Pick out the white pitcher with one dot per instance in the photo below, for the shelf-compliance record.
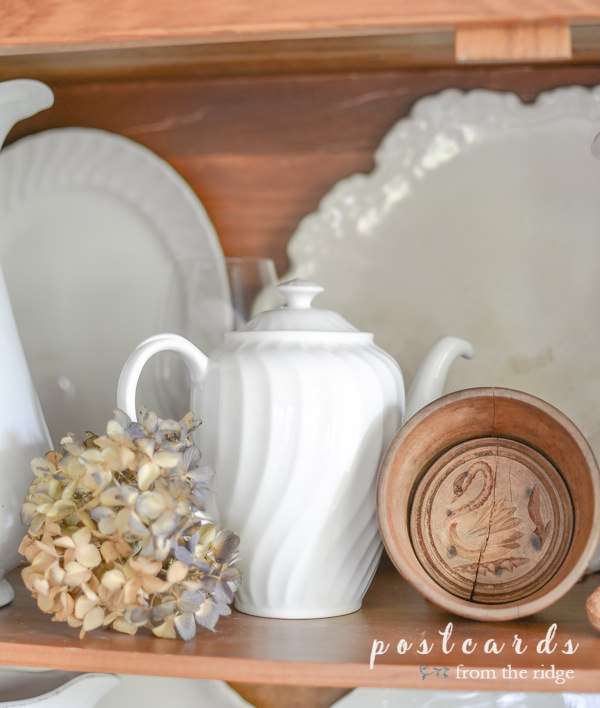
(297, 411)
(23, 431)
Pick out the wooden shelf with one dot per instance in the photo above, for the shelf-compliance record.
(388, 52)
(62, 25)
(327, 652)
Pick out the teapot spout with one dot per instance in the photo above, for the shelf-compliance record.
(430, 378)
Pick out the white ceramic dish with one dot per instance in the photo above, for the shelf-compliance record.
(423, 698)
(53, 689)
(158, 692)
(481, 217)
(96, 231)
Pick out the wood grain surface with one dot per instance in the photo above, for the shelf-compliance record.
(326, 652)
(327, 54)
(277, 696)
(261, 152)
(435, 48)
(534, 41)
(63, 23)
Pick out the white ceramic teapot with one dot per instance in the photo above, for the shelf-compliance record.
(297, 411)
(23, 432)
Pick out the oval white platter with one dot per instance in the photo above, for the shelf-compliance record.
(103, 244)
(481, 219)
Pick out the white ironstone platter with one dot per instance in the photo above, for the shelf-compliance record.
(481, 219)
(96, 237)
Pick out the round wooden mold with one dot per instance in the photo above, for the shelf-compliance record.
(488, 503)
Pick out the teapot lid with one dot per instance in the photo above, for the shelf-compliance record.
(297, 313)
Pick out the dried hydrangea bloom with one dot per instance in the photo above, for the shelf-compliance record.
(119, 535)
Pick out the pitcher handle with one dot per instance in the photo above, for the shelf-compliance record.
(195, 360)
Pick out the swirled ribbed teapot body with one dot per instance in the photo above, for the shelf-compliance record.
(296, 443)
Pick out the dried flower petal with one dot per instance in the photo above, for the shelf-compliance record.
(207, 615)
(146, 446)
(41, 586)
(42, 467)
(82, 606)
(111, 497)
(113, 579)
(183, 555)
(147, 474)
(136, 525)
(165, 525)
(167, 459)
(190, 601)
(109, 552)
(93, 619)
(45, 603)
(154, 585)
(225, 545)
(82, 537)
(107, 526)
(64, 542)
(163, 611)
(139, 615)
(114, 429)
(88, 592)
(135, 431)
(186, 626)
(166, 630)
(88, 555)
(122, 625)
(177, 572)
(150, 504)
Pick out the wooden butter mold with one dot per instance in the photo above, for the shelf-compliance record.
(488, 504)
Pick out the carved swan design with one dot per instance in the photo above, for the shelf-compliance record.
(495, 529)
(465, 480)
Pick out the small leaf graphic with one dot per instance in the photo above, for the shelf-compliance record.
(534, 509)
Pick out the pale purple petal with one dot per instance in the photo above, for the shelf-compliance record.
(222, 593)
(135, 431)
(190, 601)
(186, 626)
(161, 611)
(207, 616)
(182, 554)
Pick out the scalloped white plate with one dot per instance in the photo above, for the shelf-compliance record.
(481, 219)
(96, 237)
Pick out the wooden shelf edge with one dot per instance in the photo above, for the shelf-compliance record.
(40, 25)
(329, 652)
(426, 50)
(283, 673)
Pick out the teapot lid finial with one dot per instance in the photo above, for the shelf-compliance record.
(299, 294)
(297, 314)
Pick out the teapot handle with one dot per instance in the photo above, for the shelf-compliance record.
(196, 362)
